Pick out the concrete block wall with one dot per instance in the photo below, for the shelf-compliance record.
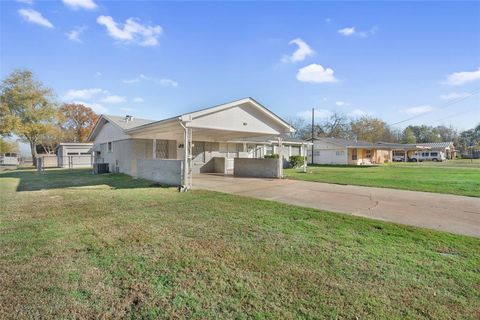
(261, 168)
(163, 171)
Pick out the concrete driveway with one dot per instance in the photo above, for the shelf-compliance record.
(456, 214)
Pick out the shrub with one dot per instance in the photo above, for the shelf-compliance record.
(272, 156)
(297, 161)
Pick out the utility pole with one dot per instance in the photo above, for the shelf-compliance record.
(313, 123)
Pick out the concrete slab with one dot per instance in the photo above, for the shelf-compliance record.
(456, 214)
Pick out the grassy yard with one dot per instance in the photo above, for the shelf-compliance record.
(75, 245)
(441, 178)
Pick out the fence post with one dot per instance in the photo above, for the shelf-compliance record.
(39, 164)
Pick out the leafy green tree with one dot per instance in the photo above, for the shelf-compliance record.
(408, 136)
(28, 110)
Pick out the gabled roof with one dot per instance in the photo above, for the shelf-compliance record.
(190, 115)
(347, 143)
(139, 124)
(437, 145)
(120, 122)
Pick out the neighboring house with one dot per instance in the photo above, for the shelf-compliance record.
(9, 159)
(408, 150)
(342, 151)
(228, 138)
(349, 152)
(74, 155)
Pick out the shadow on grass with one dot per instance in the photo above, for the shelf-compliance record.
(31, 180)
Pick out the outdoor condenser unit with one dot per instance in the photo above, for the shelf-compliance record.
(99, 168)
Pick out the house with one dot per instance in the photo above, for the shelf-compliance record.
(230, 138)
(407, 150)
(74, 155)
(347, 152)
(9, 159)
(350, 152)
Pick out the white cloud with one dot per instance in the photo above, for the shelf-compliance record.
(132, 31)
(97, 107)
(84, 94)
(74, 34)
(319, 114)
(36, 17)
(138, 100)
(454, 95)
(301, 53)
(342, 103)
(315, 73)
(168, 82)
(113, 99)
(80, 4)
(347, 32)
(419, 110)
(98, 74)
(25, 1)
(162, 81)
(358, 113)
(458, 78)
(126, 109)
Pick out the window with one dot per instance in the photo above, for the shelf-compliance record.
(368, 154)
(339, 153)
(433, 154)
(72, 153)
(85, 153)
(110, 147)
(268, 150)
(354, 154)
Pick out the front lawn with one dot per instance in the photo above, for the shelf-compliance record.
(410, 176)
(75, 245)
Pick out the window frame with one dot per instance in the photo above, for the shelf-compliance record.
(110, 146)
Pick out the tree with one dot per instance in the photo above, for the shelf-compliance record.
(409, 136)
(7, 146)
(49, 141)
(337, 126)
(77, 121)
(371, 129)
(28, 109)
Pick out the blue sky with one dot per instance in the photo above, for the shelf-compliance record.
(393, 60)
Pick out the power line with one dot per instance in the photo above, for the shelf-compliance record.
(446, 105)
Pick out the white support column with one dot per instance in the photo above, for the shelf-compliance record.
(304, 152)
(154, 148)
(187, 171)
(280, 147)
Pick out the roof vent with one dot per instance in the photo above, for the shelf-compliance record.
(128, 118)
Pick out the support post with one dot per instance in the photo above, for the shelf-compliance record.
(280, 147)
(187, 169)
(154, 148)
(304, 154)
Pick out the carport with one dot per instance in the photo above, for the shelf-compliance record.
(206, 140)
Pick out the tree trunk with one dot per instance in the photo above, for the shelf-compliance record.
(33, 148)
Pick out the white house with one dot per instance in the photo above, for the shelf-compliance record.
(228, 138)
(351, 152)
(74, 155)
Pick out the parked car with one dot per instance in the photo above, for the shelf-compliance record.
(428, 156)
(398, 158)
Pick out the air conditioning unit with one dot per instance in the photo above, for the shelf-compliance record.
(99, 168)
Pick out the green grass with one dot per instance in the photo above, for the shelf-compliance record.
(75, 245)
(425, 176)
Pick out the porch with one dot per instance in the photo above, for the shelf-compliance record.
(227, 139)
